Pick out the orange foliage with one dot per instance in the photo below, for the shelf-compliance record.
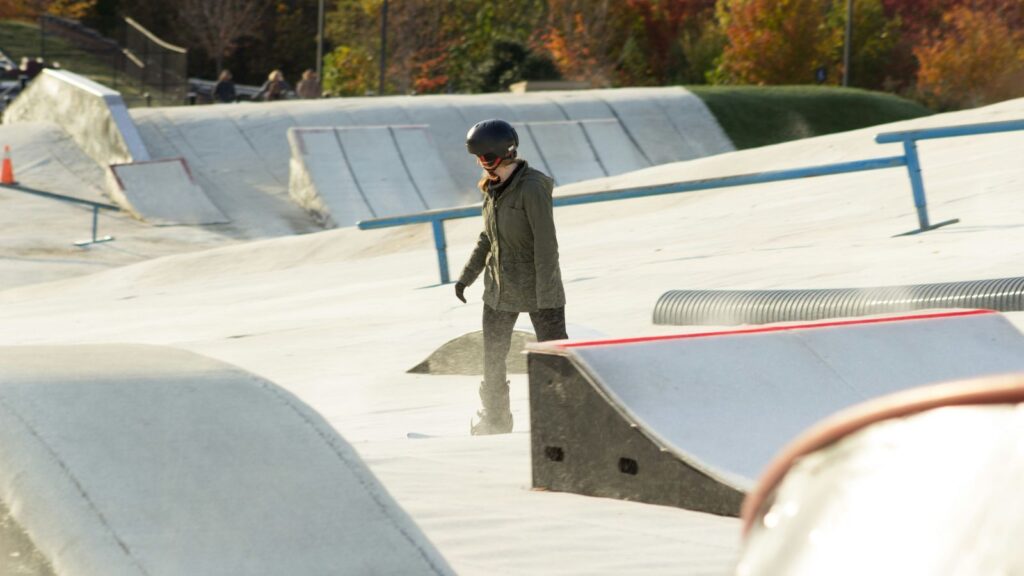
(975, 59)
(775, 41)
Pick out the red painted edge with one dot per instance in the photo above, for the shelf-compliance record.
(764, 329)
(986, 390)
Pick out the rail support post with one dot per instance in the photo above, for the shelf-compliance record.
(916, 182)
(442, 249)
(95, 227)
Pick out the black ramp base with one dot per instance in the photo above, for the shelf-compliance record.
(581, 444)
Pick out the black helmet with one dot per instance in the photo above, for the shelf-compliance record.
(492, 139)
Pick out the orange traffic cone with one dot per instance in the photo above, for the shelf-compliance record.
(7, 172)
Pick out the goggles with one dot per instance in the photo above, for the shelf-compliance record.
(488, 158)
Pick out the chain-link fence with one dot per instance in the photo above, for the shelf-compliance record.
(146, 70)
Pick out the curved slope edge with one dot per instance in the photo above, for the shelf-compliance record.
(130, 459)
(724, 403)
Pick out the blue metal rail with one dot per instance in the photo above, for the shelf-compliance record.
(910, 159)
(96, 206)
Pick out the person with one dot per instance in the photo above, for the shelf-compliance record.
(518, 254)
(224, 89)
(275, 88)
(309, 86)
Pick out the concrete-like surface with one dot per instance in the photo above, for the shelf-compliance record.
(338, 317)
(38, 233)
(92, 114)
(161, 192)
(132, 460)
(727, 402)
(346, 174)
(920, 492)
(241, 156)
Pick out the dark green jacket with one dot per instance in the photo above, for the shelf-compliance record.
(518, 250)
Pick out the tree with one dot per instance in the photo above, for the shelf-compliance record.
(775, 41)
(875, 39)
(216, 25)
(670, 33)
(974, 58)
(511, 62)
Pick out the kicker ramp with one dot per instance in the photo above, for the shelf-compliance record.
(92, 114)
(161, 192)
(691, 420)
(131, 460)
(240, 153)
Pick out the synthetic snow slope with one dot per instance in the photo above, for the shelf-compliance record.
(133, 460)
(37, 233)
(240, 153)
(337, 317)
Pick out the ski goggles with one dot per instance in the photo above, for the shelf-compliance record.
(488, 158)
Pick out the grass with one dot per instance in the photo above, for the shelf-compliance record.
(20, 39)
(761, 115)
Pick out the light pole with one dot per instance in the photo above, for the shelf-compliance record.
(846, 42)
(320, 40)
(383, 45)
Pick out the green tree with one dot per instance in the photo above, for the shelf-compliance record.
(875, 38)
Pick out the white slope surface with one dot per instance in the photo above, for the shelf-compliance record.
(337, 317)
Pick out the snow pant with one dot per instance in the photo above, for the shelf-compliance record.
(548, 323)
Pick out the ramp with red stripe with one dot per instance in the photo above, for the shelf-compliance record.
(691, 420)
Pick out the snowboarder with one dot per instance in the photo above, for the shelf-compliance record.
(518, 254)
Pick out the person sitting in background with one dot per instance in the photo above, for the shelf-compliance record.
(309, 86)
(275, 88)
(224, 89)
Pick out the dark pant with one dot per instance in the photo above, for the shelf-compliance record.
(548, 323)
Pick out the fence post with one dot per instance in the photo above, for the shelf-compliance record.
(442, 249)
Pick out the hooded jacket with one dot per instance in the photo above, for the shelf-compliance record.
(518, 250)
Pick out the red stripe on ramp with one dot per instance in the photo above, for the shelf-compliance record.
(645, 339)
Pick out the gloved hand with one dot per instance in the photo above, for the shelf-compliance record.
(460, 289)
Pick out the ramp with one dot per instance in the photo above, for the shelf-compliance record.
(245, 161)
(346, 174)
(926, 481)
(131, 460)
(691, 420)
(162, 192)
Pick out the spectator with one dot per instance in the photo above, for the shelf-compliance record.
(275, 88)
(32, 68)
(309, 86)
(224, 89)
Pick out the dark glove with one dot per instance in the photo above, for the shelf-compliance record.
(460, 288)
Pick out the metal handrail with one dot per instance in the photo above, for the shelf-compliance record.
(96, 207)
(910, 159)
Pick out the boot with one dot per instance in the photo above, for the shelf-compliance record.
(491, 422)
(495, 417)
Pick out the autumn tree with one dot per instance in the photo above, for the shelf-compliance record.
(973, 58)
(216, 25)
(669, 35)
(587, 39)
(31, 9)
(875, 37)
(432, 45)
(775, 41)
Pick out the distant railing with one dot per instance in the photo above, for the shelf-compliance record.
(910, 159)
(145, 70)
(96, 207)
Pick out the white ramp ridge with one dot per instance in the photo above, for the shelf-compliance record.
(239, 153)
(162, 192)
(133, 460)
(346, 174)
(92, 114)
(724, 403)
